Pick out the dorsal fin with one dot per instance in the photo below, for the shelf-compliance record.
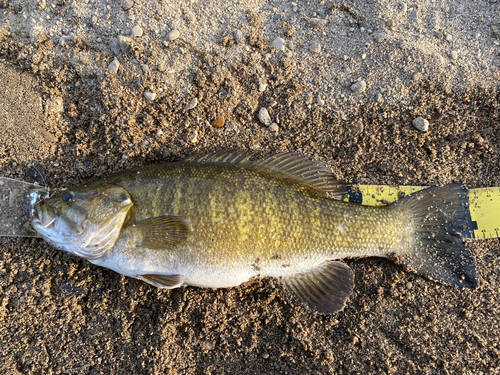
(293, 164)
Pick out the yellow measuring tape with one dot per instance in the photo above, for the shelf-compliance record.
(484, 205)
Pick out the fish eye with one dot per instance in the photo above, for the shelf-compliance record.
(67, 197)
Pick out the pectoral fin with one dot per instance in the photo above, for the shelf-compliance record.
(324, 289)
(163, 281)
(163, 232)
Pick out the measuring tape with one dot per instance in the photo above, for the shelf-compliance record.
(484, 204)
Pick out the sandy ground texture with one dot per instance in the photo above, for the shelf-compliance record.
(92, 87)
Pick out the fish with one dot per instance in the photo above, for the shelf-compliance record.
(218, 220)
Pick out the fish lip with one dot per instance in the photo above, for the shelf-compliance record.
(38, 217)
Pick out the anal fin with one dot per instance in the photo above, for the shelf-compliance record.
(163, 281)
(324, 289)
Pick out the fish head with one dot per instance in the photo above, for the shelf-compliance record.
(84, 221)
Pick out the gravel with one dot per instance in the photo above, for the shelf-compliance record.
(421, 124)
(264, 116)
(150, 95)
(114, 66)
(358, 87)
(173, 35)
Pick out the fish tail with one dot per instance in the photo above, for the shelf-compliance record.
(435, 247)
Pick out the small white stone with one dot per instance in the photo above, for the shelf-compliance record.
(145, 68)
(454, 55)
(274, 127)
(321, 102)
(136, 31)
(149, 95)
(124, 43)
(262, 87)
(358, 87)
(173, 35)
(194, 136)
(113, 66)
(421, 124)
(279, 44)
(449, 38)
(54, 106)
(315, 47)
(190, 17)
(239, 38)
(264, 116)
(193, 103)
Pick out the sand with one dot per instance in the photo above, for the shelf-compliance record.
(63, 110)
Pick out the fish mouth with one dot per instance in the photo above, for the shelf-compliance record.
(43, 216)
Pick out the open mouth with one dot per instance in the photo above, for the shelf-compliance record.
(42, 216)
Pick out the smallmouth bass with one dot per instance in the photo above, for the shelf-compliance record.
(219, 219)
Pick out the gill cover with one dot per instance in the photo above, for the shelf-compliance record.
(84, 221)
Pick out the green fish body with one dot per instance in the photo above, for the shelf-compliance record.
(218, 220)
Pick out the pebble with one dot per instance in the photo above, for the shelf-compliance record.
(264, 116)
(379, 37)
(454, 55)
(194, 136)
(262, 87)
(173, 35)
(317, 23)
(238, 37)
(145, 68)
(219, 122)
(113, 66)
(274, 127)
(136, 31)
(149, 95)
(358, 87)
(190, 17)
(321, 102)
(193, 103)
(315, 47)
(127, 4)
(421, 124)
(279, 44)
(124, 43)
(54, 106)
(379, 97)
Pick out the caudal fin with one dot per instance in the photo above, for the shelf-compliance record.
(437, 249)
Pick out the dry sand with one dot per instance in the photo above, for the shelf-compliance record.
(64, 111)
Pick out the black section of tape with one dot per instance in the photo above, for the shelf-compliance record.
(355, 196)
(471, 225)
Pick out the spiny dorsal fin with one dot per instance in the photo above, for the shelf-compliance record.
(293, 164)
(324, 289)
(163, 281)
(163, 232)
(232, 157)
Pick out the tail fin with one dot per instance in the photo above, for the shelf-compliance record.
(438, 251)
